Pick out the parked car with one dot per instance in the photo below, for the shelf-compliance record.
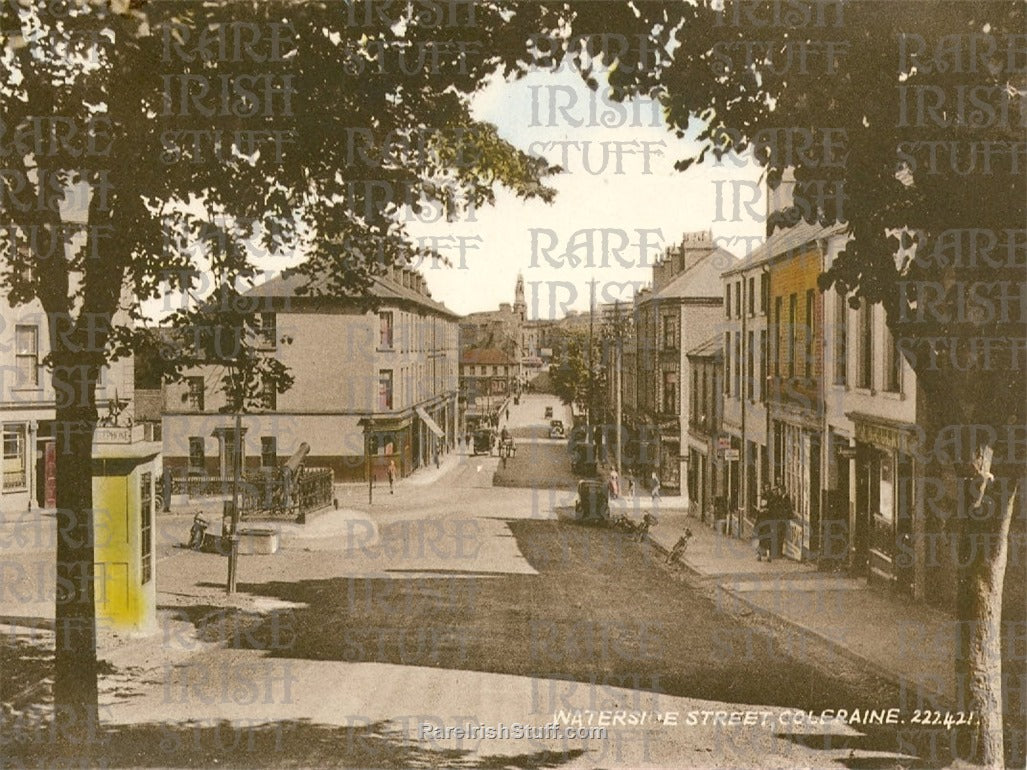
(556, 429)
(483, 440)
(593, 503)
(549, 412)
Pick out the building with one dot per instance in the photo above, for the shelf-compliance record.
(681, 310)
(27, 408)
(507, 329)
(487, 377)
(706, 459)
(385, 378)
(869, 465)
(795, 397)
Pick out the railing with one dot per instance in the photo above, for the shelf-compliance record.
(271, 492)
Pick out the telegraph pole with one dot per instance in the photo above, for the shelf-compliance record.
(619, 352)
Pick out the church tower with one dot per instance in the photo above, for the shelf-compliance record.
(520, 306)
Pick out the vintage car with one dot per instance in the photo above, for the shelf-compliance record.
(556, 429)
(593, 503)
(549, 412)
(483, 440)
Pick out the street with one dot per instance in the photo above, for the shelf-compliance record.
(451, 603)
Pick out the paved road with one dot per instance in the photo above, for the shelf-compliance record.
(454, 602)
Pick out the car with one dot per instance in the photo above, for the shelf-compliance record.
(556, 429)
(593, 503)
(549, 412)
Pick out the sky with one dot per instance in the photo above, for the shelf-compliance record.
(619, 183)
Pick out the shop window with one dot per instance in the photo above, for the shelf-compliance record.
(14, 457)
(670, 392)
(792, 321)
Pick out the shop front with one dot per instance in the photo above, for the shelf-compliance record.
(883, 512)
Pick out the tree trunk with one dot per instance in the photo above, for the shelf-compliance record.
(75, 671)
(983, 549)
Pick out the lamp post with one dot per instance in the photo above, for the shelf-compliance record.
(371, 448)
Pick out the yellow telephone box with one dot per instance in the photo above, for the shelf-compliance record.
(125, 470)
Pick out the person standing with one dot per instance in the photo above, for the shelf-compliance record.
(655, 481)
(392, 476)
(631, 485)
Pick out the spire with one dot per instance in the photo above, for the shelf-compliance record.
(520, 306)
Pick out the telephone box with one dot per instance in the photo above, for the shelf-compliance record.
(125, 469)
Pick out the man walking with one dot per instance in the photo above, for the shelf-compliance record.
(392, 476)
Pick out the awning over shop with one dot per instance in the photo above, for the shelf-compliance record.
(432, 425)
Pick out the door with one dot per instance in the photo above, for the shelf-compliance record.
(50, 474)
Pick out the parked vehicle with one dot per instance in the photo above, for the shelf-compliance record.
(483, 440)
(556, 429)
(549, 412)
(593, 503)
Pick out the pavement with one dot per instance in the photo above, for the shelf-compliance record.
(893, 636)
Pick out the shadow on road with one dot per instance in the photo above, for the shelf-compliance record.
(600, 613)
(294, 743)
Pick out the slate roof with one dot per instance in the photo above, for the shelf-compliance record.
(491, 356)
(382, 287)
(783, 241)
(711, 348)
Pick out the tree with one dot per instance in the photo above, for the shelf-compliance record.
(573, 380)
(906, 123)
(206, 140)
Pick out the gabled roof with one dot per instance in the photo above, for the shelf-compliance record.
(711, 348)
(784, 240)
(492, 356)
(701, 280)
(383, 288)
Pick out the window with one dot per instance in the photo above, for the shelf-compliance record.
(670, 392)
(385, 329)
(763, 364)
(892, 364)
(385, 389)
(694, 395)
(194, 394)
(738, 298)
(26, 355)
(793, 302)
(777, 336)
(197, 454)
(669, 332)
(750, 371)
(865, 369)
(269, 394)
(808, 335)
(752, 296)
(738, 365)
(727, 363)
(14, 457)
(146, 526)
(268, 451)
(727, 300)
(267, 331)
(841, 334)
(765, 292)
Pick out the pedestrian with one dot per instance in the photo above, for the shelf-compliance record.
(392, 476)
(655, 481)
(508, 414)
(614, 483)
(467, 442)
(631, 485)
(436, 457)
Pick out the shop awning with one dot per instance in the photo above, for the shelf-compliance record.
(432, 425)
